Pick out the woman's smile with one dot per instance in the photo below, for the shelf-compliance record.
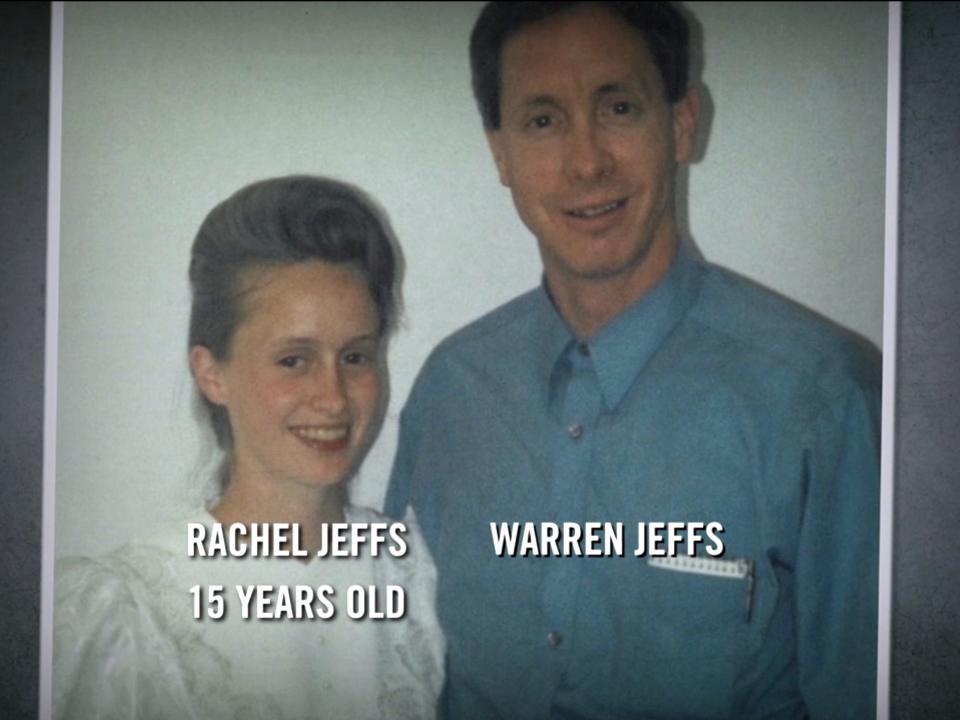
(325, 439)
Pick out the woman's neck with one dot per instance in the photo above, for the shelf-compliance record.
(307, 505)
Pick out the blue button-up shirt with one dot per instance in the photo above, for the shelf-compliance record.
(709, 399)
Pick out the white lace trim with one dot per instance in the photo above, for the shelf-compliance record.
(120, 650)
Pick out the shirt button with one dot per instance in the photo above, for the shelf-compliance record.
(554, 639)
(575, 431)
(583, 349)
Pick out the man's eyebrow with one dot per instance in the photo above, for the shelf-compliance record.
(294, 340)
(540, 101)
(617, 86)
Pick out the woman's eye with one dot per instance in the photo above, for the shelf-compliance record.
(291, 361)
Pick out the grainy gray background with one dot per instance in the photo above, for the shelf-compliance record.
(926, 626)
(24, 63)
(926, 632)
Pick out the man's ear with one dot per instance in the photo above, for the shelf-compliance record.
(686, 120)
(495, 143)
(207, 373)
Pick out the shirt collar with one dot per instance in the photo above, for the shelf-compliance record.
(625, 345)
(551, 338)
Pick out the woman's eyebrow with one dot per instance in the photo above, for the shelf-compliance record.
(367, 337)
(311, 342)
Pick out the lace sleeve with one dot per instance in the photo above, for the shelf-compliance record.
(413, 657)
(119, 652)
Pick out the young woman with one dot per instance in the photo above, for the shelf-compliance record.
(294, 286)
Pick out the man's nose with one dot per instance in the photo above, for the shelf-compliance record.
(588, 158)
(327, 389)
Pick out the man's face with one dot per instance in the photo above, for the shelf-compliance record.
(588, 144)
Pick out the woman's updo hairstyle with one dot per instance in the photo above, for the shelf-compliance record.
(281, 221)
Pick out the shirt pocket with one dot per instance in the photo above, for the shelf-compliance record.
(739, 570)
(695, 616)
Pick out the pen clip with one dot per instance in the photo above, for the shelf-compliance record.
(746, 567)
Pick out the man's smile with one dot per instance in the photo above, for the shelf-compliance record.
(592, 211)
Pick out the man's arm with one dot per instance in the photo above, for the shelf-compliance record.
(837, 558)
(407, 488)
(399, 490)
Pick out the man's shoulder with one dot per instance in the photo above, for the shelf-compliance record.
(770, 327)
(509, 322)
(497, 345)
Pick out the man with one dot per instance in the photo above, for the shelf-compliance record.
(637, 385)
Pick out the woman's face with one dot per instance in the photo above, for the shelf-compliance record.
(302, 382)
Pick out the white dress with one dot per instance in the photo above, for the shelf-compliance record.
(127, 646)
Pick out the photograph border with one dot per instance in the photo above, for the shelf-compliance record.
(51, 355)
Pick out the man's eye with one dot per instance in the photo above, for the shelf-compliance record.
(356, 358)
(623, 108)
(540, 122)
(291, 361)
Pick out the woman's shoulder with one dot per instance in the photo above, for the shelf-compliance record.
(416, 553)
(136, 586)
(146, 561)
(412, 662)
(123, 576)
(124, 633)
(365, 514)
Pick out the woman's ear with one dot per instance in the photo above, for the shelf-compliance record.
(207, 372)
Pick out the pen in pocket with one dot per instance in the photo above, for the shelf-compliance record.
(736, 569)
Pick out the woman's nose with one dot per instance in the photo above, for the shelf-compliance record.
(328, 392)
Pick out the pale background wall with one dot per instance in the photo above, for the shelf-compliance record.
(170, 108)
